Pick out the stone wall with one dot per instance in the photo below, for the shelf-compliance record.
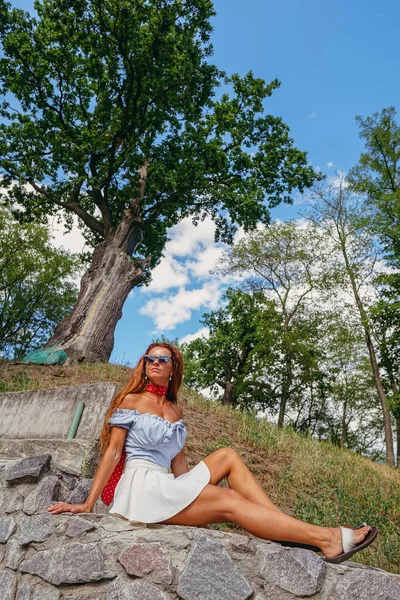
(99, 557)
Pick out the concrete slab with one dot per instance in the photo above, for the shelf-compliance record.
(48, 414)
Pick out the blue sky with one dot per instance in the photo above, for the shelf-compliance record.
(335, 60)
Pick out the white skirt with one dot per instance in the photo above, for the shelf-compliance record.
(147, 493)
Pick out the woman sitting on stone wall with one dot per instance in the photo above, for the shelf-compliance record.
(144, 424)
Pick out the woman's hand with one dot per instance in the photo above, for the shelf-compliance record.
(65, 507)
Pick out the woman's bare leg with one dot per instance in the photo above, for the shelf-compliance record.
(226, 462)
(218, 505)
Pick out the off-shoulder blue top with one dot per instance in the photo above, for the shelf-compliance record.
(149, 436)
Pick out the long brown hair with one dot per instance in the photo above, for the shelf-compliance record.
(138, 383)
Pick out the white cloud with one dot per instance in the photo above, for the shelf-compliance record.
(330, 164)
(185, 238)
(203, 332)
(205, 261)
(72, 241)
(312, 115)
(168, 274)
(170, 310)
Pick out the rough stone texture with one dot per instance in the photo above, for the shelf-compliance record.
(23, 592)
(77, 526)
(41, 497)
(81, 492)
(211, 573)
(14, 554)
(10, 500)
(70, 563)
(363, 584)
(295, 570)
(8, 584)
(137, 590)
(36, 528)
(46, 593)
(27, 469)
(242, 544)
(148, 559)
(7, 528)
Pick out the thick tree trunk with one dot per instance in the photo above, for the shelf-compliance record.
(229, 391)
(87, 334)
(398, 441)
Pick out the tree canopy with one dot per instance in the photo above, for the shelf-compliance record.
(36, 287)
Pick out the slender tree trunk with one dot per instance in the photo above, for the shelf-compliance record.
(343, 436)
(87, 334)
(287, 380)
(374, 363)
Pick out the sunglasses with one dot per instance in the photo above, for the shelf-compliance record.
(151, 358)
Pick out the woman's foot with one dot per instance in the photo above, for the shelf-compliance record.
(332, 545)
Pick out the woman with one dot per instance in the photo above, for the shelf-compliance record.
(145, 420)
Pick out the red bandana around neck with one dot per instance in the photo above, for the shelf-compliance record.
(160, 390)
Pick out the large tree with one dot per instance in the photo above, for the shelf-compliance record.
(239, 355)
(284, 261)
(377, 177)
(113, 111)
(341, 215)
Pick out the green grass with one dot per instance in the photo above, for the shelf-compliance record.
(326, 485)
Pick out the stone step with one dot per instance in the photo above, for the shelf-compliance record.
(77, 456)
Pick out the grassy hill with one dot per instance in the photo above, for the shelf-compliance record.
(313, 481)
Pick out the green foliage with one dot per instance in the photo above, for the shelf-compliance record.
(241, 347)
(377, 175)
(94, 92)
(35, 287)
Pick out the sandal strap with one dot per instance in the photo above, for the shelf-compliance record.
(347, 539)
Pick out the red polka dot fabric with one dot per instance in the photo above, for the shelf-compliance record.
(108, 492)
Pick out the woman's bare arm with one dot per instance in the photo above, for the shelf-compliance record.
(107, 465)
(179, 464)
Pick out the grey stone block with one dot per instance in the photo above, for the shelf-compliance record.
(211, 573)
(10, 500)
(27, 469)
(7, 528)
(36, 528)
(137, 590)
(46, 593)
(298, 571)
(77, 526)
(23, 592)
(42, 496)
(8, 584)
(148, 559)
(81, 492)
(67, 564)
(364, 584)
(14, 554)
(242, 544)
